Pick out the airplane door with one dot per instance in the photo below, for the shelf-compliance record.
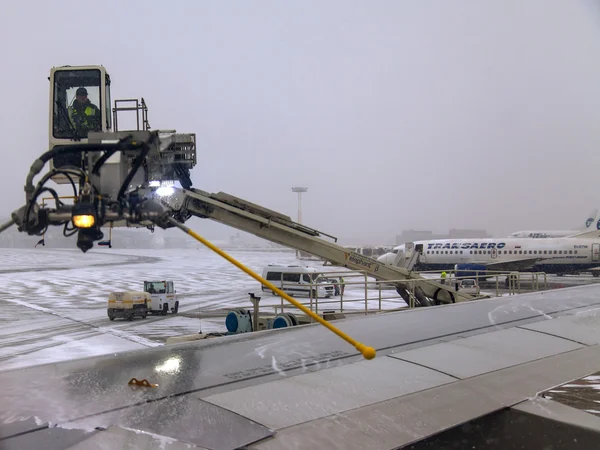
(595, 252)
(419, 250)
(494, 253)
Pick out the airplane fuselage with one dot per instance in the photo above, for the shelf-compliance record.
(558, 255)
(593, 221)
(543, 234)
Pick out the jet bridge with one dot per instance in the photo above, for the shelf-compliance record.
(275, 227)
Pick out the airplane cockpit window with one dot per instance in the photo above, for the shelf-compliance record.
(77, 104)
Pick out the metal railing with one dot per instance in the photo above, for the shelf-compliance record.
(513, 283)
(140, 107)
(373, 296)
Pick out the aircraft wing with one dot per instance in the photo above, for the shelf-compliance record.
(515, 264)
(481, 363)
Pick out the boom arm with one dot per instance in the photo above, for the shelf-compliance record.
(119, 174)
(275, 227)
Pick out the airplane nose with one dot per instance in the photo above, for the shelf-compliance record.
(383, 258)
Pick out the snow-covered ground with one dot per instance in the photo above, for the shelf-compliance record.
(582, 394)
(53, 301)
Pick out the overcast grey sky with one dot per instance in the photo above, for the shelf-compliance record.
(395, 114)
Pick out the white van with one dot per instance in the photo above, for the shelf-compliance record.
(297, 280)
(469, 286)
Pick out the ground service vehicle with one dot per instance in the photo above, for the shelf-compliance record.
(163, 297)
(297, 281)
(469, 286)
(128, 304)
(132, 178)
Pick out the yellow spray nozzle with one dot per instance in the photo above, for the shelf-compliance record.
(367, 352)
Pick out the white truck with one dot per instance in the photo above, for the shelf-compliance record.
(163, 295)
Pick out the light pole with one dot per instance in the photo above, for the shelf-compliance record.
(299, 190)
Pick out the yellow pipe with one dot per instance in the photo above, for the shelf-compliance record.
(367, 352)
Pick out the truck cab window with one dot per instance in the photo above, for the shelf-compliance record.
(77, 106)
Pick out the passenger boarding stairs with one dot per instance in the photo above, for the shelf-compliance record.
(407, 258)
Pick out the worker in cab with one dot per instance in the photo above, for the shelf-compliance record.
(444, 277)
(84, 115)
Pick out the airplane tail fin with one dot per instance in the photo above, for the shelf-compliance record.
(592, 227)
(592, 220)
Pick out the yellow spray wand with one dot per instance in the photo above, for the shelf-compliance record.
(367, 352)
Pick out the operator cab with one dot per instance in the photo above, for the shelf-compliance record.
(163, 297)
(79, 103)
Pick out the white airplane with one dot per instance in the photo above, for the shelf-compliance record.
(552, 255)
(593, 219)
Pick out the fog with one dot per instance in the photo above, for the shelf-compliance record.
(395, 115)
